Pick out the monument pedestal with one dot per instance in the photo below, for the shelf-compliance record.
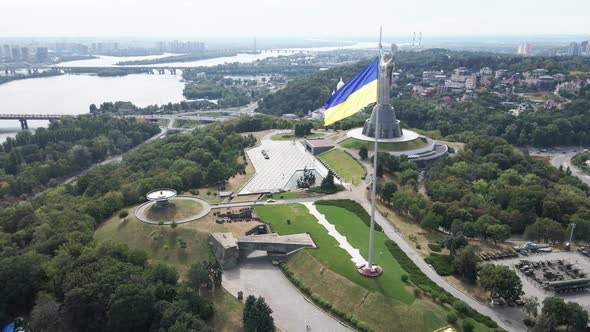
(388, 123)
(368, 272)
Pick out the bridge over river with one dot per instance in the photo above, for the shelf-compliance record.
(23, 118)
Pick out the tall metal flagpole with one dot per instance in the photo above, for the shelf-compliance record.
(376, 153)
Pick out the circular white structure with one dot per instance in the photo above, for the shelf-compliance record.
(407, 136)
(161, 196)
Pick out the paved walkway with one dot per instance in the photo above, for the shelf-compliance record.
(140, 211)
(354, 253)
(509, 318)
(291, 310)
(284, 159)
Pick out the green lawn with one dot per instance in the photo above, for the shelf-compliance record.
(177, 209)
(285, 195)
(161, 243)
(291, 136)
(384, 303)
(334, 257)
(344, 165)
(353, 143)
(187, 123)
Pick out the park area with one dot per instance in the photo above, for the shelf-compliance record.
(344, 165)
(177, 209)
(179, 247)
(328, 275)
(355, 144)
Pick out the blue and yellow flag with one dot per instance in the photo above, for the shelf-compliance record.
(356, 94)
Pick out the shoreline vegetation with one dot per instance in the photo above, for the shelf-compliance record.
(180, 58)
(49, 73)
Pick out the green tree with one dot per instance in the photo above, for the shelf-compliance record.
(363, 152)
(465, 264)
(406, 175)
(455, 242)
(431, 220)
(197, 275)
(257, 316)
(328, 181)
(387, 190)
(500, 281)
(131, 308)
(46, 314)
(531, 307)
(498, 232)
(249, 314)
(577, 317)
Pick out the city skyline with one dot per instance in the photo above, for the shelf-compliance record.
(230, 18)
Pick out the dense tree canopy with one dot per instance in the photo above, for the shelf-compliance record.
(52, 266)
(33, 160)
(491, 184)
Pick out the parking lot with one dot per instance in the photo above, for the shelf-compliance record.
(534, 288)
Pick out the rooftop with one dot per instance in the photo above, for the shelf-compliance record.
(227, 240)
(318, 143)
(302, 239)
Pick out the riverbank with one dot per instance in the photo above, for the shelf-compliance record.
(49, 73)
(179, 58)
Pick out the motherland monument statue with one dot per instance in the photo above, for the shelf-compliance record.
(388, 123)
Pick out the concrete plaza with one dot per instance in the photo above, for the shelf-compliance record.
(284, 159)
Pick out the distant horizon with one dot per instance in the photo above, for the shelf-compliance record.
(276, 18)
(326, 38)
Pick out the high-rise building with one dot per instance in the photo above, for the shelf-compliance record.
(42, 54)
(16, 55)
(574, 49)
(25, 54)
(584, 50)
(524, 49)
(6, 51)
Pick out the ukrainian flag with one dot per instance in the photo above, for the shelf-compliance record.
(356, 94)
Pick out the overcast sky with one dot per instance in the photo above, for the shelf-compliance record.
(303, 18)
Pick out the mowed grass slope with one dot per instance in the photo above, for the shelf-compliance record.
(384, 303)
(161, 243)
(329, 252)
(379, 312)
(177, 209)
(344, 165)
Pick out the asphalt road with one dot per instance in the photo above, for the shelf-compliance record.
(562, 156)
(292, 311)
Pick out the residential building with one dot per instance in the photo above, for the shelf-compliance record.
(559, 77)
(472, 82)
(42, 54)
(16, 55)
(574, 49)
(501, 73)
(486, 71)
(433, 76)
(460, 75)
(571, 87)
(25, 54)
(545, 83)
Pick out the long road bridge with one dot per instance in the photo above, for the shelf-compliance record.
(191, 116)
(24, 117)
(83, 70)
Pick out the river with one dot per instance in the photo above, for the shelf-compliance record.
(73, 94)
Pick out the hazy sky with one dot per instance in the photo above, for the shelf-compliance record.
(309, 18)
